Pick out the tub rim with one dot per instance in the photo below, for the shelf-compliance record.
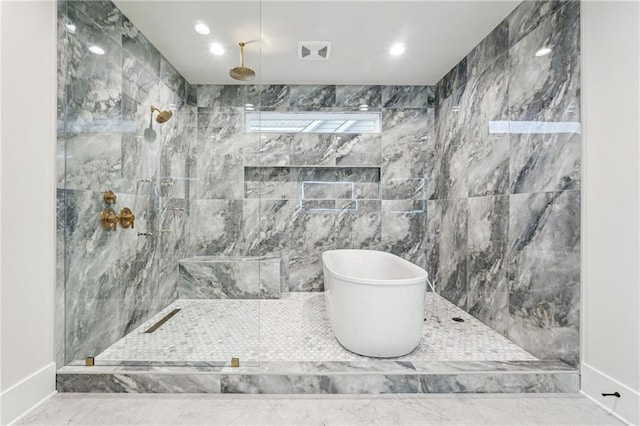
(422, 278)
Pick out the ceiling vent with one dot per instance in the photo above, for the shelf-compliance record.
(314, 50)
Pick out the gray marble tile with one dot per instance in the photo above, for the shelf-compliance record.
(274, 384)
(305, 272)
(545, 221)
(352, 97)
(187, 383)
(374, 384)
(138, 383)
(404, 153)
(191, 95)
(545, 162)
(311, 97)
(454, 367)
(103, 383)
(312, 229)
(487, 288)
(93, 83)
(452, 81)
(488, 50)
(271, 183)
(140, 47)
(60, 314)
(214, 95)
(547, 88)
(408, 96)
(94, 161)
(229, 278)
(173, 244)
(273, 149)
(137, 81)
(528, 15)
(447, 248)
(179, 136)
(402, 229)
(451, 179)
(357, 183)
(111, 283)
(358, 149)
(269, 96)
(359, 225)
(221, 148)
(172, 78)
(503, 383)
(313, 149)
(267, 226)
(103, 13)
(544, 273)
(215, 227)
(488, 153)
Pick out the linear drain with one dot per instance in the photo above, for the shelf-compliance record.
(166, 318)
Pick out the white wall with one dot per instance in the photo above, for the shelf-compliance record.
(27, 218)
(611, 205)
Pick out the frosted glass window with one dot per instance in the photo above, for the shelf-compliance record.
(311, 122)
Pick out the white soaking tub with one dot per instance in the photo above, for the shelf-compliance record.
(375, 301)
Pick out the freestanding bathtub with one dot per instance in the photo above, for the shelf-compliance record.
(375, 301)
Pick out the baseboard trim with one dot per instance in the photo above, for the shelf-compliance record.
(27, 394)
(626, 408)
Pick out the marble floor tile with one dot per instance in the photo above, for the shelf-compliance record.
(295, 328)
(147, 409)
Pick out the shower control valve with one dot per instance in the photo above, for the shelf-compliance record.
(126, 218)
(108, 219)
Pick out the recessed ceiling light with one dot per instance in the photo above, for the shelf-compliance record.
(543, 51)
(397, 49)
(202, 29)
(216, 48)
(96, 49)
(71, 28)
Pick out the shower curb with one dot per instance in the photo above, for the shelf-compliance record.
(325, 378)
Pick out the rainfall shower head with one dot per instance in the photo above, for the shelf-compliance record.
(163, 116)
(241, 73)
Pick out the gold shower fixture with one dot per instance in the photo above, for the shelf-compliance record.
(163, 116)
(242, 73)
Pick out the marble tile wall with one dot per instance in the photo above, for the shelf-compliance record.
(503, 229)
(109, 282)
(247, 192)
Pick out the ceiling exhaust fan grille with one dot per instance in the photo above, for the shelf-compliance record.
(314, 50)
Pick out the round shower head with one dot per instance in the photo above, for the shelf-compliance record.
(242, 73)
(163, 116)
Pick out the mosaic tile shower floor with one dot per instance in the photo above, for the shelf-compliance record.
(295, 328)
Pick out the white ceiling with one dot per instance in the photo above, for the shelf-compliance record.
(437, 35)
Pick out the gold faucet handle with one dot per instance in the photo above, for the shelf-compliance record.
(126, 218)
(109, 197)
(108, 219)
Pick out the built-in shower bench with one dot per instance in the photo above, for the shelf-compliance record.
(231, 277)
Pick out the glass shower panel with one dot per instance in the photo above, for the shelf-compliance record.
(158, 122)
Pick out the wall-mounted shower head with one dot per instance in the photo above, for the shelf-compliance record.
(163, 116)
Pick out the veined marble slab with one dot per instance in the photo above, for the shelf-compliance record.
(375, 376)
(232, 277)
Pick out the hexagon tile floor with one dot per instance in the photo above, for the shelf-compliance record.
(295, 328)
